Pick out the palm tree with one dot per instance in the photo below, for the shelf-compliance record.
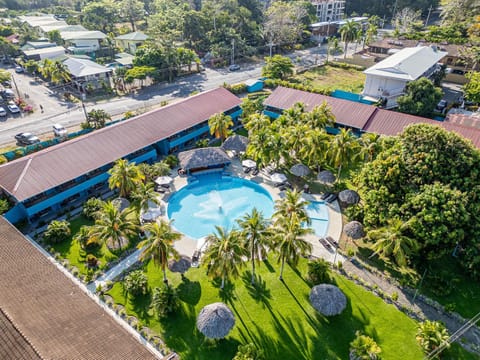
(343, 150)
(97, 118)
(125, 176)
(159, 245)
(113, 226)
(320, 117)
(371, 32)
(219, 125)
(224, 254)
(294, 137)
(431, 335)
(256, 235)
(363, 347)
(370, 145)
(332, 47)
(317, 143)
(84, 237)
(289, 242)
(143, 194)
(59, 73)
(349, 33)
(391, 241)
(46, 68)
(292, 207)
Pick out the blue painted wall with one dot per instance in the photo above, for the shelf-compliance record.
(271, 114)
(190, 136)
(257, 86)
(16, 214)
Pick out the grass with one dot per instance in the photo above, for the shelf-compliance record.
(332, 78)
(277, 317)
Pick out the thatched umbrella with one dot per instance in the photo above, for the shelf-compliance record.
(348, 197)
(300, 170)
(121, 203)
(326, 177)
(236, 143)
(215, 321)
(181, 265)
(328, 299)
(354, 230)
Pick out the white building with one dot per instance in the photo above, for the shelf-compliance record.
(329, 10)
(79, 42)
(87, 73)
(386, 80)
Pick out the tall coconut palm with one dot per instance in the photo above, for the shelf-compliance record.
(289, 242)
(292, 207)
(159, 245)
(370, 145)
(317, 143)
(219, 125)
(320, 117)
(143, 194)
(224, 253)
(344, 149)
(114, 227)
(256, 235)
(348, 33)
(59, 73)
(391, 241)
(125, 176)
(294, 138)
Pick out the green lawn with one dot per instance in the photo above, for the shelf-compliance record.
(278, 318)
(332, 78)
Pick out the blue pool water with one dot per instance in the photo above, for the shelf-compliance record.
(318, 213)
(214, 199)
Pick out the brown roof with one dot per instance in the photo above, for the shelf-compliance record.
(346, 112)
(202, 158)
(390, 43)
(386, 122)
(468, 119)
(59, 320)
(46, 169)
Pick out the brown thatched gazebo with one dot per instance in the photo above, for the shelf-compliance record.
(326, 177)
(328, 299)
(203, 159)
(354, 230)
(348, 198)
(215, 321)
(237, 143)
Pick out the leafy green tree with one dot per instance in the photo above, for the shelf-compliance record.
(344, 150)
(316, 144)
(5, 75)
(85, 239)
(125, 176)
(370, 145)
(223, 256)
(165, 300)
(220, 125)
(151, 172)
(256, 234)
(458, 11)
(101, 14)
(139, 73)
(319, 271)
(250, 107)
(97, 118)
(57, 231)
(472, 87)
(363, 347)
(249, 352)
(91, 207)
(132, 11)
(348, 33)
(4, 206)
(159, 245)
(431, 335)
(54, 36)
(114, 227)
(136, 283)
(31, 66)
(278, 67)
(320, 117)
(421, 97)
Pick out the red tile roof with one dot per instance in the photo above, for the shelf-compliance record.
(346, 112)
(46, 169)
(56, 317)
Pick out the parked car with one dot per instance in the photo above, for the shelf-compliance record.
(18, 69)
(59, 130)
(7, 94)
(7, 83)
(234, 67)
(442, 105)
(27, 138)
(3, 112)
(14, 109)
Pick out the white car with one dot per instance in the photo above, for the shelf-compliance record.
(59, 130)
(14, 109)
(3, 112)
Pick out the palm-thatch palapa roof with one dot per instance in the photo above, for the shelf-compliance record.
(181, 265)
(328, 299)
(300, 170)
(326, 177)
(209, 157)
(348, 197)
(215, 320)
(354, 229)
(121, 203)
(236, 143)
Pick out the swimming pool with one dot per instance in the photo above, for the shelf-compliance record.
(318, 213)
(215, 199)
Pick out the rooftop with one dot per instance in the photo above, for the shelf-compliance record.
(45, 50)
(136, 36)
(83, 35)
(83, 67)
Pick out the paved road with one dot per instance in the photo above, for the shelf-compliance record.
(70, 115)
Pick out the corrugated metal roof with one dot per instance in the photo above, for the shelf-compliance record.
(46, 169)
(137, 35)
(46, 50)
(83, 67)
(57, 318)
(82, 35)
(386, 122)
(346, 112)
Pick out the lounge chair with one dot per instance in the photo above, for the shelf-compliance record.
(325, 243)
(246, 170)
(255, 172)
(325, 195)
(195, 258)
(332, 198)
(332, 241)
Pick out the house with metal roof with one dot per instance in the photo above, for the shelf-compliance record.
(43, 183)
(131, 41)
(82, 42)
(86, 73)
(387, 79)
(52, 52)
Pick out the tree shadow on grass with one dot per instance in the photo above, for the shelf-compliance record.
(299, 274)
(227, 293)
(141, 305)
(258, 291)
(189, 292)
(268, 266)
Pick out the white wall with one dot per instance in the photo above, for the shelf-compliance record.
(92, 44)
(378, 86)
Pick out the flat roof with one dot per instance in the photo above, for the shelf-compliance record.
(35, 173)
(45, 50)
(51, 313)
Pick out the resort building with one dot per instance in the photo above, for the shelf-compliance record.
(386, 80)
(329, 10)
(42, 184)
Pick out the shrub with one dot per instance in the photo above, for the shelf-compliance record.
(171, 160)
(91, 207)
(248, 352)
(431, 335)
(165, 300)
(128, 115)
(202, 143)
(318, 272)
(4, 206)
(57, 231)
(238, 88)
(364, 347)
(164, 103)
(92, 261)
(394, 296)
(3, 159)
(135, 283)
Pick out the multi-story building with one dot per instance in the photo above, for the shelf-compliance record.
(329, 10)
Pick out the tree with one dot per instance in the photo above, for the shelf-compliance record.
(143, 195)
(250, 107)
(320, 117)
(96, 118)
(431, 335)
(151, 172)
(91, 207)
(472, 87)
(332, 47)
(249, 352)
(125, 176)
(57, 231)
(406, 20)
(84, 237)
(54, 36)
(139, 73)
(292, 207)
(165, 300)
(223, 256)
(344, 150)
(56, 71)
(278, 67)
(219, 125)
(114, 227)
(371, 145)
(5, 75)
(470, 55)
(363, 347)
(31, 66)
(101, 14)
(316, 144)
(348, 33)
(392, 241)
(458, 11)
(319, 271)
(256, 235)
(131, 11)
(370, 33)
(136, 283)
(420, 98)
(159, 245)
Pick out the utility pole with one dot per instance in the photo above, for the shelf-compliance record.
(83, 106)
(271, 45)
(233, 51)
(394, 9)
(428, 16)
(16, 87)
